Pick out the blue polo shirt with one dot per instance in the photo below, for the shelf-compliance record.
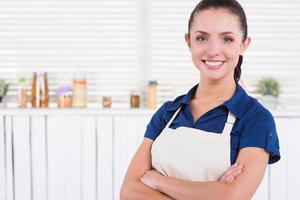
(254, 125)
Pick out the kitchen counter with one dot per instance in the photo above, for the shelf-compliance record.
(110, 111)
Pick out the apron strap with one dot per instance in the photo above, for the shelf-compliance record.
(175, 114)
(229, 124)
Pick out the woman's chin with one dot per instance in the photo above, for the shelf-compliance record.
(214, 76)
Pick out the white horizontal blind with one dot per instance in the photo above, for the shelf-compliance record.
(121, 44)
(275, 30)
(97, 38)
(275, 51)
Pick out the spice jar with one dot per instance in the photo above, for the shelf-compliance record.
(64, 97)
(22, 92)
(106, 102)
(79, 91)
(152, 94)
(134, 99)
(40, 91)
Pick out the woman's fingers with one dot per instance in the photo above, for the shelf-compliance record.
(231, 169)
(231, 173)
(228, 171)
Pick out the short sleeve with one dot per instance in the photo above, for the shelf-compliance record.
(157, 123)
(260, 131)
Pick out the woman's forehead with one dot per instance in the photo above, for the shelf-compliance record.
(216, 20)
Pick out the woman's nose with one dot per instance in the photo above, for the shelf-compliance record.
(213, 49)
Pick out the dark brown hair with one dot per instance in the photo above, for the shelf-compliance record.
(233, 7)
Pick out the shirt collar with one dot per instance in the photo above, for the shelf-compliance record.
(237, 104)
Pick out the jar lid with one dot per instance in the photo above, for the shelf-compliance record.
(22, 80)
(64, 90)
(152, 82)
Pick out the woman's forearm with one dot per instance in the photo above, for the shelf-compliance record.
(138, 191)
(186, 190)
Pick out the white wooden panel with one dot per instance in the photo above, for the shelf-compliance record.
(73, 157)
(129, 131)
(293, 160)
(64, 154)
(279, 171)
(105, 159)
(9, 159)
(56, 157)
(121, 158)
(132, 134)
(22, 157)
(89, 158)
(2, 158)
(39, 157)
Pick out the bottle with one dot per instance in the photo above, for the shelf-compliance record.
(79, 91)
(22, 92)
(40, 91)
(152, 94)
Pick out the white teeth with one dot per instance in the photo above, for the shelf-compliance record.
(214, 63)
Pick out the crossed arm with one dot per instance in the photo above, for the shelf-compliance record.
(141, 182)
(132, 188)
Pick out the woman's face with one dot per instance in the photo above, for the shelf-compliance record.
(215, 43)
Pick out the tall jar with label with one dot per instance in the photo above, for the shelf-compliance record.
(40, 90)
(22, 92)
(152, 94)
(79, 91)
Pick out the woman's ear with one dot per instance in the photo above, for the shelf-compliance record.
(187, 39)
(245, 45)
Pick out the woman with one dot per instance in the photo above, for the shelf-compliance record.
(191, 142)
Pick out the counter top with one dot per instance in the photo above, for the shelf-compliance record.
(109, 111)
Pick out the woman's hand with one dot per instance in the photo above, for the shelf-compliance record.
(152, 179)
(231, 173)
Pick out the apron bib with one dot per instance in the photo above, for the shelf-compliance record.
(192, 154)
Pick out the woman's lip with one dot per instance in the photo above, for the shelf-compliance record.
(213, 67)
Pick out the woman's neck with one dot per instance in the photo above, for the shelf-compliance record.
(215, 91)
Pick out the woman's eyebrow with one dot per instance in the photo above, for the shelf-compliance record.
(223, 33)
(227, 32)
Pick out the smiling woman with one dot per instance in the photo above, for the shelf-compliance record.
(214, 142)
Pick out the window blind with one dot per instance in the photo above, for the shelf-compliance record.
(96, 38)
(121, 44)
(274, 27)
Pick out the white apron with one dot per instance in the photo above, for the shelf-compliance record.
(192, 154)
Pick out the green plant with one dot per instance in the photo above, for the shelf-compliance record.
(268, 86)
(3, 88)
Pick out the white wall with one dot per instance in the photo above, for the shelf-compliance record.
(83, 154)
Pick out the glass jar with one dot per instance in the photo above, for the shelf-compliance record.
(79, 91)
(64, 97)
(134, 99)
(152, 94)
(22, 93)
(106, 102)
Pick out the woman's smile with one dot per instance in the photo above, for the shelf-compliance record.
(213, 64)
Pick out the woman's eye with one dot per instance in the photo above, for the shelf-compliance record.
(228, 39)
(201, 38)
